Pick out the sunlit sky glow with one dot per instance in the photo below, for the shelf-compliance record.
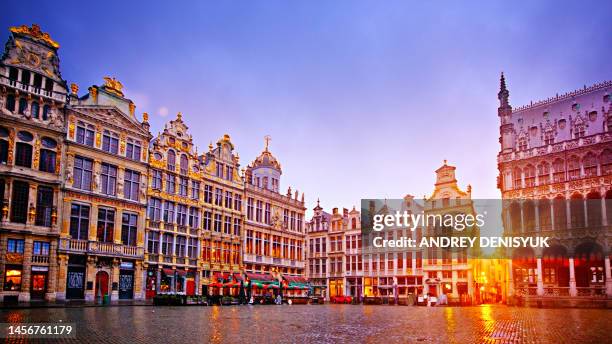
(363, 99)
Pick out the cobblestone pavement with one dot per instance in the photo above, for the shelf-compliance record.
(327, 323)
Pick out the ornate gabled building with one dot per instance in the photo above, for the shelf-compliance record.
(555, 176)
(317, 230)
(175, 194)
(274, 227)
(101, 246)
(223, 219)
(32, 100)
(446, 271)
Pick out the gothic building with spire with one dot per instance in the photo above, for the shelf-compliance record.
(555, 177)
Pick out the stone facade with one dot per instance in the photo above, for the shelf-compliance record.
(32, 100)
(101, 245)
(555, 176)
(274, 226)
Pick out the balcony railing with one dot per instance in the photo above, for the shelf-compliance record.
(34, 89)
(40, 259)
(101, 248)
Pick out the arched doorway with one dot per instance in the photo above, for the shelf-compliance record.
(524, 271)
(101, 285)
(589, 266)
(555, 266)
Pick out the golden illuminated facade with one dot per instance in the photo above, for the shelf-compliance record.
(32, 100)
(274, 227)
(445, 271)
(101, 245)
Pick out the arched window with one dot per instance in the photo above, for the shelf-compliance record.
(594, 209)
(515, 217)
(184, 164)
(558, 171)
(573, 167)
(529, 176)
(577, 211)
(590, 165)
(35, 110)
(560, 213)
(543, 173)
(23, 155)
(606, 161)
(517, 178)
(47, 155)
(529, 215)
(45, 114)
(23, 105)
(354, 223)
(171, 160)
(544, 214)
(10, 103)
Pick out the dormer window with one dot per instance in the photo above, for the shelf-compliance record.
(549, 137)
(579, 131)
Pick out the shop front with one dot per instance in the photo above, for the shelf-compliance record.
(263, 287)
(151, 282)
(75, 278)
(295, 288)
(126, 280)
(39, 278)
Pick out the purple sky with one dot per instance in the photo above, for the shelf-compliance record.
(361, 100)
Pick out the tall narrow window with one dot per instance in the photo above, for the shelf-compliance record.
(10, 103)
(45, 114)
(44, 206)
(183, 184)
(85, 134)
(170, 184)
(168, 212)
(79, 221)
(23, 156)
(106, 225)
(19, 202)
(155, 209)
(129, 229)
(156, 179)
(184, 164)
(82, 173)
(133, 150)
(110, 142)
(35, 110)
(181, 215)
(171, 160)
(108, 178)
(23, 105)
(132, 184)
(47, 155)
(4, 146)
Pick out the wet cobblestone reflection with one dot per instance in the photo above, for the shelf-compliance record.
(327, 323)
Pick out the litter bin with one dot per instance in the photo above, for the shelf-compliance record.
(106, 300)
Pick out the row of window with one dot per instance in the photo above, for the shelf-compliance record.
(24, 150)
(168, 244)
(261, 212)
(19, 203)
(183, 215)
(39, 248)
(105, 229)
(560, 172)
(83, 173)
(85, 134)
(265, 244)
(35, 108)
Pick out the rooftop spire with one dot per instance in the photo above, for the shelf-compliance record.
(267, 138)
(503, 94)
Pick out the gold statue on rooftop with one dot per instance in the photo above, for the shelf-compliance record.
(113, 85)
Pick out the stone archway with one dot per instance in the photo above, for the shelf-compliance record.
(589, 265)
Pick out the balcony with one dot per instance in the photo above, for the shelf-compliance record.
(57, 96)
(100, 248)
(40, 259)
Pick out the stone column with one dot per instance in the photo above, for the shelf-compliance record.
(540, 281)
(62, 275)
(138, 281)
(572, 278)
(26, 272)
(604, 215)
(114, 278)
(471, 284)
(90, 276)
(510, 277)
(455, 292)
(52, 274)
(608, 276)
(157, 280)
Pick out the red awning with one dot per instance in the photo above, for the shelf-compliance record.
(238, 277)
(181, 272)
(260, 277)
(168, 272)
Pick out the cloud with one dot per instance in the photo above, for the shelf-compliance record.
(162, 111)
